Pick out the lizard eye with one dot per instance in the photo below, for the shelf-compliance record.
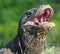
(29, 13)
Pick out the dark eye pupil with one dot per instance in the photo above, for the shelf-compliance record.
(29, 13)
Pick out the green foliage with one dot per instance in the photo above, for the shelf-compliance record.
(12, 10)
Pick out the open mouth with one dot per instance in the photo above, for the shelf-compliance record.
(41, 17)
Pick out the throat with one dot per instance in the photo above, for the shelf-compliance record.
(34, 44)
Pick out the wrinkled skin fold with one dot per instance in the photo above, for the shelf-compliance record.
(35, 43)
(32, 29)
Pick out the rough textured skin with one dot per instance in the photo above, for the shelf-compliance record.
(5, 51)
(30, 39)
(37, 43)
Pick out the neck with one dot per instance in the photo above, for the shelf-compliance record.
(14, 45)
(28, 43)
(34, 44)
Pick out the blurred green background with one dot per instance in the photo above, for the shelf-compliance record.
(12, 10)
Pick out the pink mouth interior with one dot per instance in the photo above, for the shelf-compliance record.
(41, 17)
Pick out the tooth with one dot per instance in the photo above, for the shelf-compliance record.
(29, 23)
(48, 12)
(42, 19)
(36, 20)
(45, 19)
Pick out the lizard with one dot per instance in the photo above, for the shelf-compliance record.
(32, 30)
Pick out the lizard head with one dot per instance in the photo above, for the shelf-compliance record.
(40, 15)
(36, 17)
(33, 27)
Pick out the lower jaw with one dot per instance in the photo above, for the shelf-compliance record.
(33, 24)
(43, 23)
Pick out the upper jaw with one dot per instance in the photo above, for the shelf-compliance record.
(42, 16)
